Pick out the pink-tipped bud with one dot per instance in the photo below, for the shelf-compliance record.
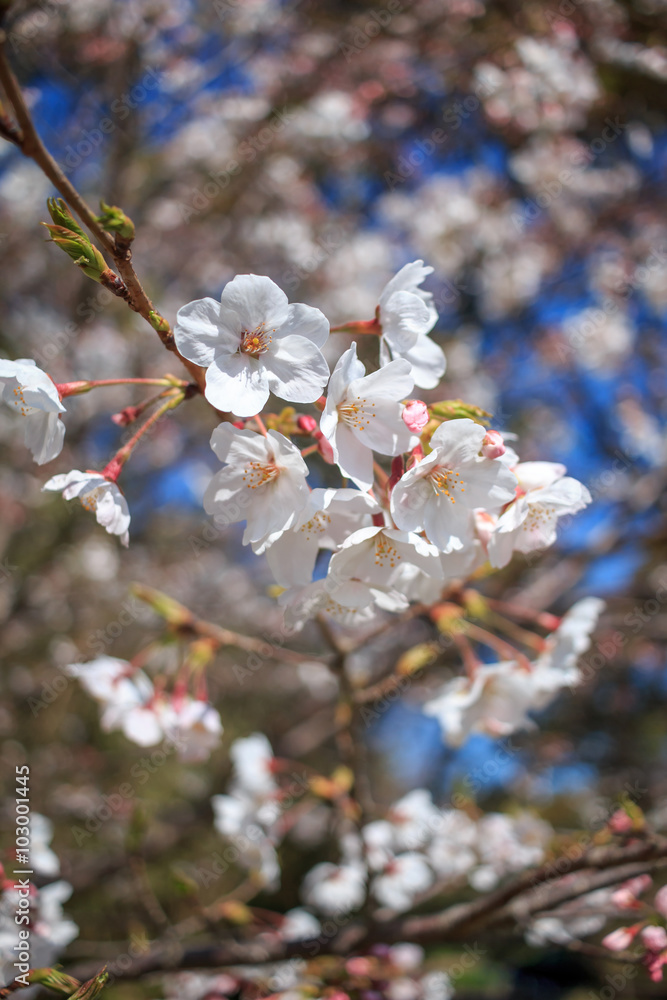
(306, 423)
(654, 938)
(239, 423)
(415, 415)
(324, 448)
(620, 822)
(625, 897)
(621, 938)
(493, 445)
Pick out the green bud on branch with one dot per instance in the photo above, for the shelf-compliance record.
(61, 216)
(80, 250)
(114, 220)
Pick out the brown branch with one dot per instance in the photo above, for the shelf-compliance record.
(30, 144)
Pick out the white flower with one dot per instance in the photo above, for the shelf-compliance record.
(573, 635)
(300, 604)
(42, 859)
(253, 766)
(529, 522)
(440, 493)
(406, 314)
(335, 889)
(236, 818)
(331, 515)
(98, 494)
(414, 819)
(126, 695)
(299, 925)
(99, 677)
(368, 565)
(403, 879)
(253, 342)
(451, 851)
(264, 482)
(363, 414)
(192, 725)
(29, 390)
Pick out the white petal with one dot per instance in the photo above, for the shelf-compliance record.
(197, 332)
(236, 383)
(255, 300)
(296, 370)
(305, 321)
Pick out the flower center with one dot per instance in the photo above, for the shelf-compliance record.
(259, 474)
(257, 341)
(90, 500)
(445, 482)
(356, 415)
(317, 524)
(20, 403)
(385, 552)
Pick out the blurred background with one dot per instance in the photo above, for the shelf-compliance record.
(517, 147)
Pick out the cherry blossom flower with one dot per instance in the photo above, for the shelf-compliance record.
(96, 494)
(248, 815)
(28, 389)
(500, 695)
(301, 604)
(335, 889)
(403, 878)
(299, 925)
(406, 314)
(508, 844)
(451, 852)
(263, 483)
(544, 494)
(42, 859)
(253, 759)
(369, 562)
(193, 725)
(126, 695)
(329, 518)
(252, 343)
(363, 414)
(440, 492)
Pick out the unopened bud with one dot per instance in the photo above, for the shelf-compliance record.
(493, 445)
(92, 988)
(114, 220)
(79, 249)
(654, 937)
(306, 423)
(158, 322)
(55, 980)
(126, 416)
(621, 938)
(61, 216)
(415, 415)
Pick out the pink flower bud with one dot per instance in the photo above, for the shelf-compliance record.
(324, 448)
(306, 423)
(239, 423)
(625, 897)
(359, 966)
(660, 901)
(655, 938)
(493, 445)
(620, 822)
(621, 938)
(415, 415)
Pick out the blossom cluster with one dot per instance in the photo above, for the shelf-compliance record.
(394, 861)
